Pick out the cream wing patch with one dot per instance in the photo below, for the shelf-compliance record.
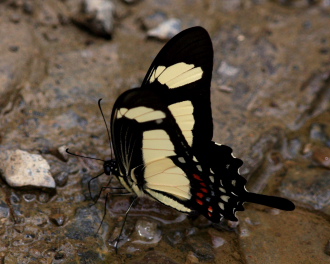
(177, 75)
(183, 114)
(156, 144)
(168, 201)
(163, 175)
(141, 114)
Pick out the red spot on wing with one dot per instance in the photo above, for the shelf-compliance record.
(197, 177)
(203, 184)
(210, 209)
(200, 195)
(210, 215)
(204, 190)
(200, 202)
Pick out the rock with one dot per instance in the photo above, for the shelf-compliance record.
(174, 237)
(321, 155)
(153, 20)
(318, 132)
(217, 241)
(61, 178)
(20, 168)
(58, 219)
(85, 224)
(191, 258)
(4, 210)
(201, 248)
(166, 30)
(227, 70)
(97, 16)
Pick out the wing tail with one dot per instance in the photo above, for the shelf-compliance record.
(271, 201)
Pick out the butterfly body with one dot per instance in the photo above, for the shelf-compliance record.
(162, 137)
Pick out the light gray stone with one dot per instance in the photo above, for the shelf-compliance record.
(20, 168)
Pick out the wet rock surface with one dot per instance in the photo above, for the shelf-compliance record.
(270, 100)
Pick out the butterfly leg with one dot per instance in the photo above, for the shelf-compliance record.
(106, 200)
(89, 188)
(122, 227)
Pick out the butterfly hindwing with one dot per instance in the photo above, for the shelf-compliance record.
(150, 148)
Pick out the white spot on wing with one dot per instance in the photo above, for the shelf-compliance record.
(222, 190)
(211, 178)
(181, 160)
(222, 206)
(224, 198)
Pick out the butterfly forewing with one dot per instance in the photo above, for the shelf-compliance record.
(183, 70)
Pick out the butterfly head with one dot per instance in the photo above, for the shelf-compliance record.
(110, 167)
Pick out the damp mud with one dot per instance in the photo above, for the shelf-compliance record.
(270, 98)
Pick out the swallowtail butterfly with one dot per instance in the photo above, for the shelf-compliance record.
(162, 137)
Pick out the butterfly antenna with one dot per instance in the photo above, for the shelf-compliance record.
(81, 156)
(99, 103)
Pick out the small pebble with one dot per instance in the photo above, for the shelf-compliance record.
(61, 178)
(14, 198)
(174, 237)
(226, 69)
(97, 16)
(321, 155)
(13, 48)
(57, 219)
(59, 255)
(62, 151)
(166, 30)
(226, 89)
(28, 197)
(218, 241)
(202, 249)
(317, 132)
(44, 197)
(191, 258)
(4, 210)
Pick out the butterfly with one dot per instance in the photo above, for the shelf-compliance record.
(162, 137)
